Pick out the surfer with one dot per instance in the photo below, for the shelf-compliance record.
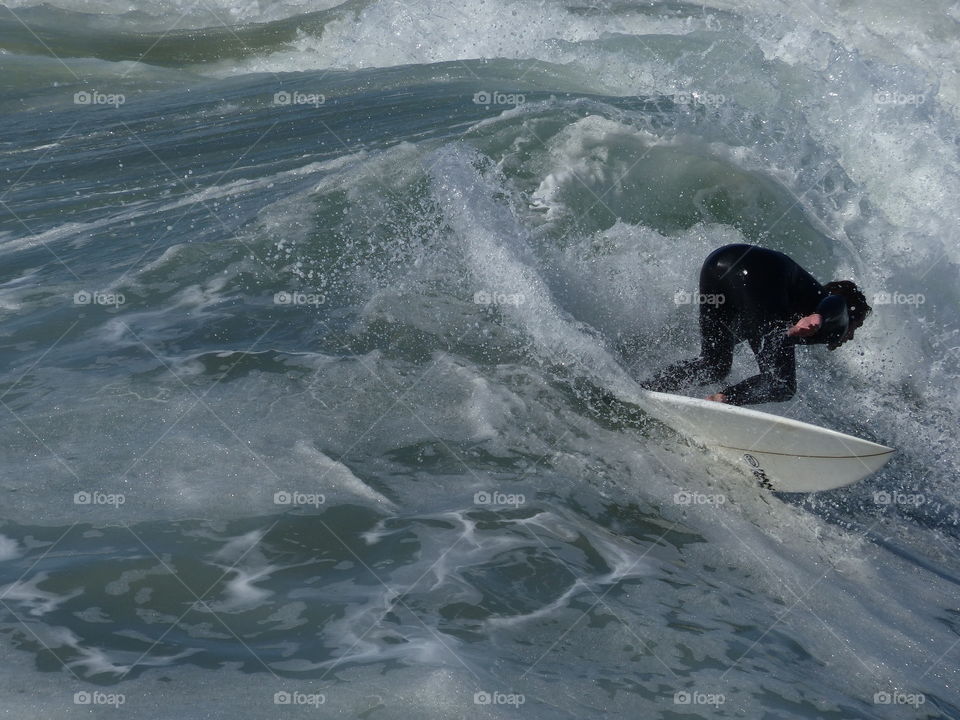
(765, 298)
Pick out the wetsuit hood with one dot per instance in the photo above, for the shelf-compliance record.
(835, 321)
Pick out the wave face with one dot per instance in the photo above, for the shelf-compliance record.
(292, 295)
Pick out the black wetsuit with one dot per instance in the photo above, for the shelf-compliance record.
(763, 294)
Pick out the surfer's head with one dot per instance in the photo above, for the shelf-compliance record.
(857, 308)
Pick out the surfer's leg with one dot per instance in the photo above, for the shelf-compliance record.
(677, 376)
(719, 307)
(716, 353)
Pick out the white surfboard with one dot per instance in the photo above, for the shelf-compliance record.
(782, 454)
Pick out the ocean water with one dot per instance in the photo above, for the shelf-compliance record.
(291, 298)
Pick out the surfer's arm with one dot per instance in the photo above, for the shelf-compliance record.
(833, 316)
(776, 381)
(806, 326)
(828, 320)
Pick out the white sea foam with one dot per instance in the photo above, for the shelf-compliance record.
(830, 597)
(9, 548)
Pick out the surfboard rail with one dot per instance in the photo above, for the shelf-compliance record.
(780, 453)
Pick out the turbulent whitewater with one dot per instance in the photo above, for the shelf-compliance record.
(310, 317)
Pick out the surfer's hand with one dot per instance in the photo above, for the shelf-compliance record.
(806, 326)
(717, 397)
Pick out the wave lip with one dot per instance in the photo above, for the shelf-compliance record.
(59, 33)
